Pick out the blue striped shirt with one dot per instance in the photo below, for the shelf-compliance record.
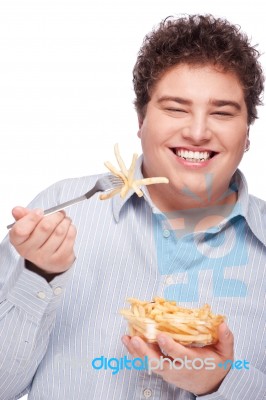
(51, 332)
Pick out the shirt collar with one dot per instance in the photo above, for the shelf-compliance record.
(254, 209)
(249, 207)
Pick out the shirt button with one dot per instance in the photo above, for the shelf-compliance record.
(58, 290)
(41, 295)
(147, 393)
(166, 233)
(169, 280)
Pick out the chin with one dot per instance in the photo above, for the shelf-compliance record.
(197, 187)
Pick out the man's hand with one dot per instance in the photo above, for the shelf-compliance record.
(198, 381)
(46, 242)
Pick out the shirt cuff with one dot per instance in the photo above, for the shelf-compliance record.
(33, 294)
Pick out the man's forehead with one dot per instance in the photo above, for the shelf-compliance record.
(183, 84)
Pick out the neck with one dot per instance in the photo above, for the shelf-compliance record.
(169, 200)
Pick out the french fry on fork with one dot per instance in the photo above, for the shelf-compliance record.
(127, 177)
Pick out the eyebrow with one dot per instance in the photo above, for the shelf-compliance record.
(223, 103)
(217, 103)
(179, 100)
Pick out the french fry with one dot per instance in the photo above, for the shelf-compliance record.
(190, 327)
(127, 178)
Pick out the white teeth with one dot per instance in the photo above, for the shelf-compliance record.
(193, 156)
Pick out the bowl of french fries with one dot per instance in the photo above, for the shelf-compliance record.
(195, 327)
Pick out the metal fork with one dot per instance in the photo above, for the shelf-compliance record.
(105, 183)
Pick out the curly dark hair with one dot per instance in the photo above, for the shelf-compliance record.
(198, 40)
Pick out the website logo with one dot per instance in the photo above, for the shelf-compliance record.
(157, 364)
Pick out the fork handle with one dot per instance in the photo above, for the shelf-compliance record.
(59, 207)
(64, 205)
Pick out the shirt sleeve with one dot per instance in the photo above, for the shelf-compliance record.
(28, 305)
(240, 385)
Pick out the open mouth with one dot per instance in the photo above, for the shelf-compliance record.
(194, 156)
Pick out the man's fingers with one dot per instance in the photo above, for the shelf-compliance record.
(138, 348)
(43, 230)
(24, 226)
(33, 230)
(171, 348)
(64, 255)
(54, 250)
(45, 241)
(225, 345)
(57, 237)
(20, 212)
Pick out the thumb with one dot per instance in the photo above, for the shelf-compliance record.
(19, 212)
(225, 345)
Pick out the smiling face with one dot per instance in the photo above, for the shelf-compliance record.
(194, 132)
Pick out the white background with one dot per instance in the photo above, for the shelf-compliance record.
(66, 93)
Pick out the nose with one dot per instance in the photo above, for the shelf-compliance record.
(197, 130)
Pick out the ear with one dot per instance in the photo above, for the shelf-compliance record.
(140, 120)
(247, 141)
(247, 145)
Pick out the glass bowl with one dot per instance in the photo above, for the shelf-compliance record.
(189, 327)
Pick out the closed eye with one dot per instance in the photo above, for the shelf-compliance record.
(223, 113)
(175, 109)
